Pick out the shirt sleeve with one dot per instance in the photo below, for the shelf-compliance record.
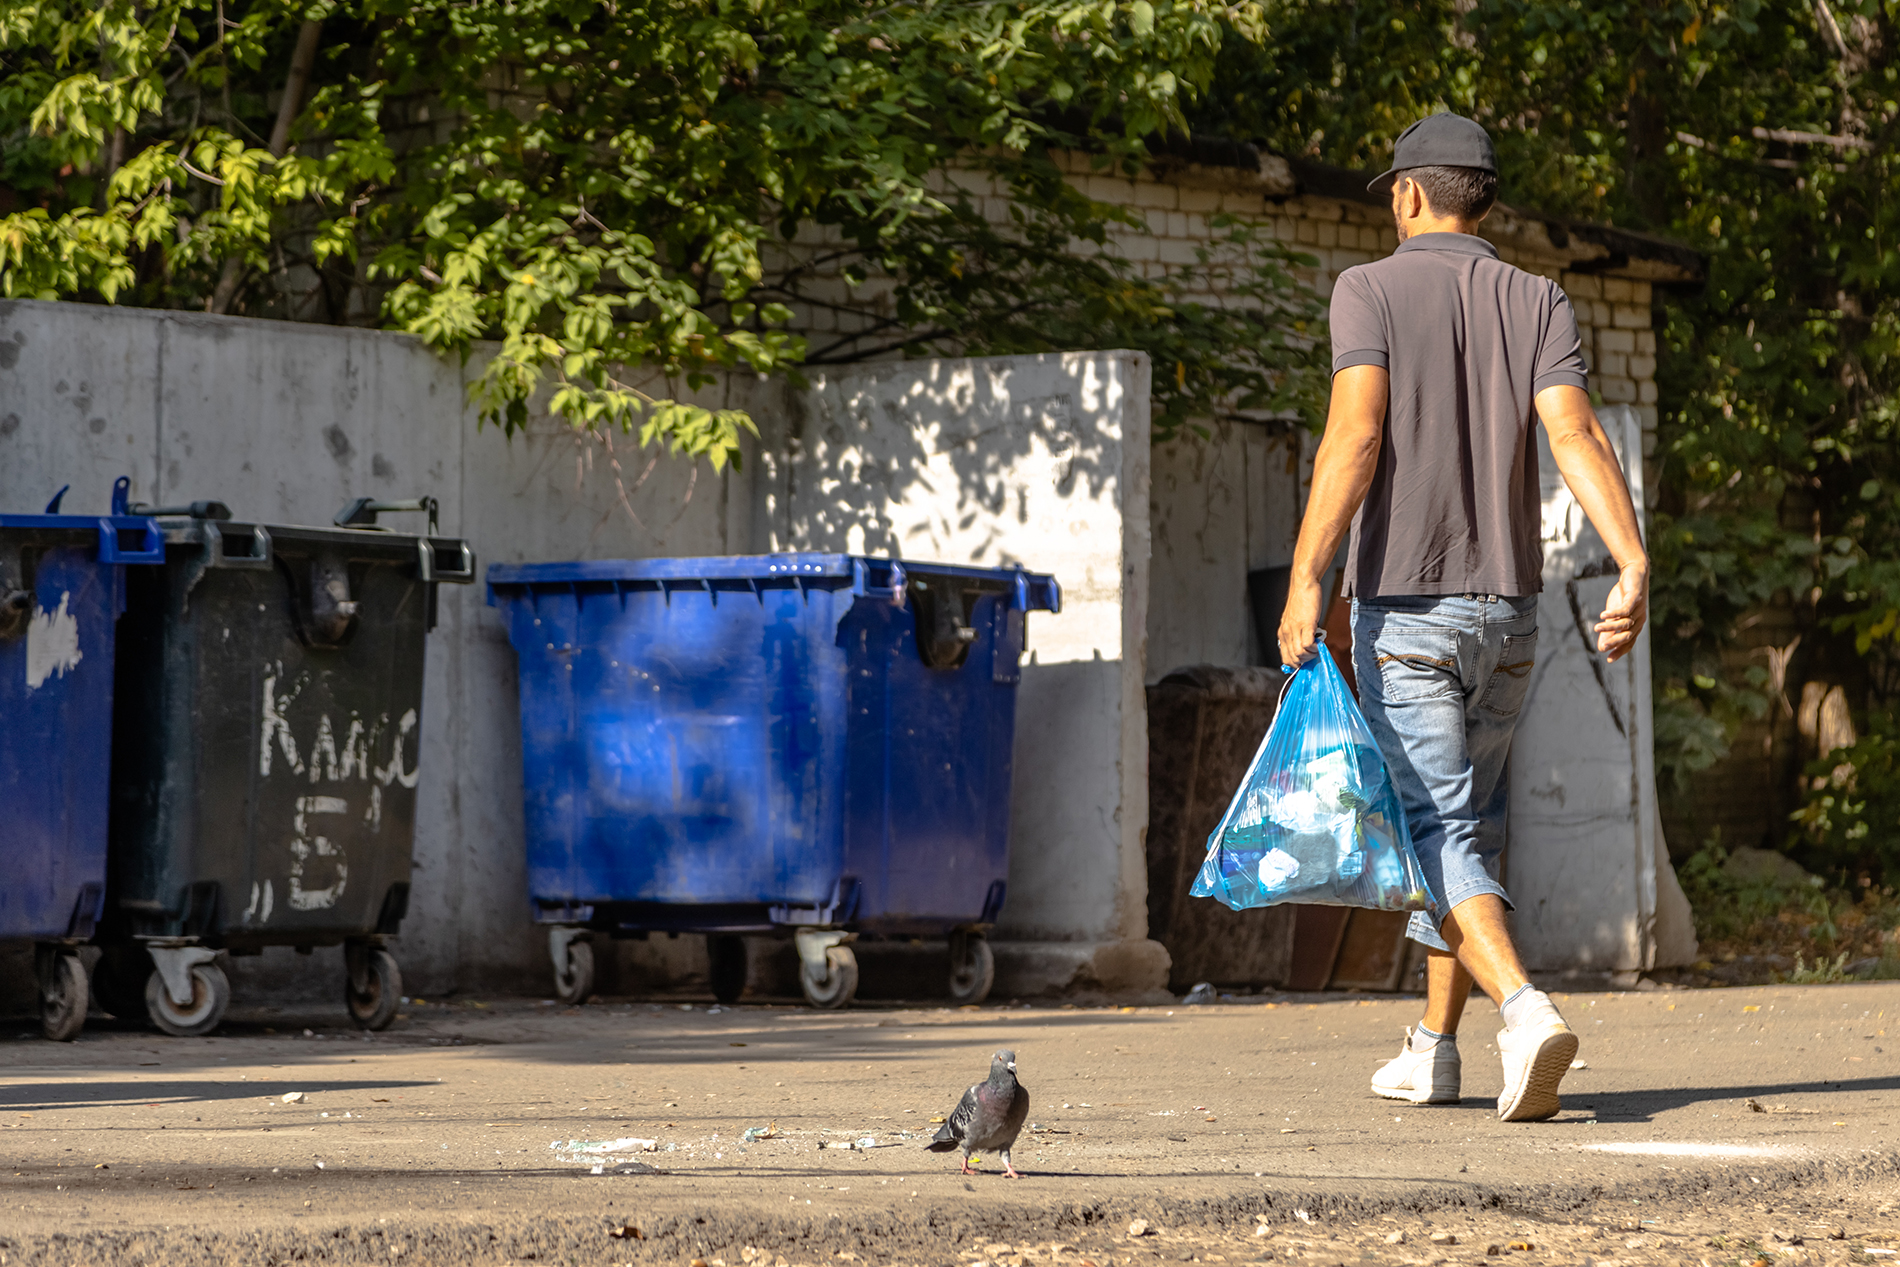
(1560, 359)
(1358, 325)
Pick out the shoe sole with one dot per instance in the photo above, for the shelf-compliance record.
(1415, 1097)
(1536, 1097)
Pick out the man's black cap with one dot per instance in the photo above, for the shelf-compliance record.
(1439, 140)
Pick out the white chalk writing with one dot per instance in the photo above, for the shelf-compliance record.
(308, 845)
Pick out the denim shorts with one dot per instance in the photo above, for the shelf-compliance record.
(1441, 681)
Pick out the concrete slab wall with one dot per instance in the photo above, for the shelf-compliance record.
(1586, 864)
(288, 422)
(1223, 505)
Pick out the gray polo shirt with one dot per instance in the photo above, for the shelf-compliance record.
(1469, 341)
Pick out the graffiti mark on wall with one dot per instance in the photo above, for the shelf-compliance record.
(1605, 566)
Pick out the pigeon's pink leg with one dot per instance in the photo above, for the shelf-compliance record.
(967, 1168)
(1009, 1170)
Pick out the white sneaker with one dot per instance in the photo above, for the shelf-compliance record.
(1422, 1077)
(1537, 1055)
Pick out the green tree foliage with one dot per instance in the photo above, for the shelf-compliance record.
(597, 185)
(1762, 132)
(1851, 821)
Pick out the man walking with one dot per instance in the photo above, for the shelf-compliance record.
(1443, 357)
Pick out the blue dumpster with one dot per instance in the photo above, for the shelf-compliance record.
(62, 589)
(809, 743)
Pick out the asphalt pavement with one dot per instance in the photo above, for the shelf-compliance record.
(514, 1130)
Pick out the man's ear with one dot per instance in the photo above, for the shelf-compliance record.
(1411, 198)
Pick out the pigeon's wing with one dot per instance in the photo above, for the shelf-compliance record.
(957, 1125)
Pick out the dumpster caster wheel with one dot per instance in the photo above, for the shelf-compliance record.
(839, 983)
(375, 1006)
(972, 968)
(210, 995)
(64, 996)
(574, 972)
(726, 956)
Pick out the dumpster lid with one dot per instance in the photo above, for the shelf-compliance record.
(724, 567)
(879, 577)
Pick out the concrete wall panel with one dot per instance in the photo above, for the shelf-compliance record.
(1585, 863)
(77, 406)
(1223, 505)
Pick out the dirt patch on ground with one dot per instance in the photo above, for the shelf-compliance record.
(1787, 1221)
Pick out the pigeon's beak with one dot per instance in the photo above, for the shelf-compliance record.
(1012, 1066)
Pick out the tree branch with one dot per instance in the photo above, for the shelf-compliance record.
(204, 176)
(1830, 29)
(296, 80)
(1790, 137)
(302, 60)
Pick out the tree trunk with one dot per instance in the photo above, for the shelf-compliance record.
(296, 81)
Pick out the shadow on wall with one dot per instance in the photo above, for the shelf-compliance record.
(551, 491)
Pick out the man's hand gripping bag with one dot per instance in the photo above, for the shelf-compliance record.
(1317, 819)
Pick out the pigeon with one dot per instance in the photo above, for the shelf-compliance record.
(988, 1117)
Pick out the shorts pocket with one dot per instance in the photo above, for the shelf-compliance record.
(1416, 665)
(1511, 680)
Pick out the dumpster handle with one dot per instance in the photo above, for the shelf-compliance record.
(123, 520)
(895, 591)
(362, 511)
(463, 573)
(429, 566)
(1037, 593)
(111, 549)
(260, 552)
(1030, 592)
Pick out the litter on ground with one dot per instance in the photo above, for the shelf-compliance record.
(582, 1150)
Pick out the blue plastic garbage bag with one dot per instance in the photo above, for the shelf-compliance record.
(1317, 819)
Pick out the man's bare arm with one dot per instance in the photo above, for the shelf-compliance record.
(1588, 465)
(1342, 474)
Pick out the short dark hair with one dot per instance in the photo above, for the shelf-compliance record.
(1463, 193)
